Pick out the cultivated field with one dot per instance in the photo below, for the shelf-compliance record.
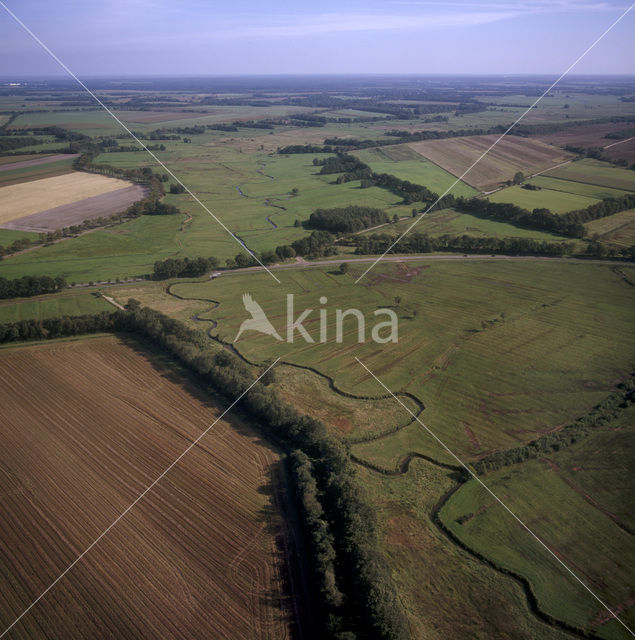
(22, 200)
(591, 135)
(617, 229)
(198, 557)
(72, 213)
(18, 172)
(32, 162)
(597, 173)
(510, 155)
(555, 201)
(403, 162)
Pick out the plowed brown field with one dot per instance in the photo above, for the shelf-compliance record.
(510, 155)
(85, 427)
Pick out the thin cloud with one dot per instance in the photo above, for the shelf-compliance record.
(339, 23)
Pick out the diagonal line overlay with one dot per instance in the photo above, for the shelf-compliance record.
(522, 524)
(134, 137)
(492, 145)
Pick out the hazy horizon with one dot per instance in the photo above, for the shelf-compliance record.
(193, 38)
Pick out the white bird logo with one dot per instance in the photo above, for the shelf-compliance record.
(258, 320)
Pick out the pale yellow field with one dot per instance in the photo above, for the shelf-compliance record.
(26, 198)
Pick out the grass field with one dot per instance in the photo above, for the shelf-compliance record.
(589, 490)
(579, 188)
(497, 351)
(446, 592)
(129, 249)
(55, 305)
(26, 198)
(555, 201)
(510, 155)
(597, 173)
(617, 229)
(196, 557)
(8, 236)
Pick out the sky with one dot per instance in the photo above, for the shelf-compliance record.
(254, 37)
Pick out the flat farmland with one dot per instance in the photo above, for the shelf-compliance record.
(34, 161)
(592, 135)
(65, 303)
(72, 213)
(29, 170)
(403, 162)
(510, 155)
(50, 198)
(578, 188)
(587, 520)
(498, 351)
(621, 150)
(556, 201)
(197, 557)
(617, 229)
(596, 172)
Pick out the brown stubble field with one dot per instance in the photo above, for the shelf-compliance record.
(510, 155)
(198, 557)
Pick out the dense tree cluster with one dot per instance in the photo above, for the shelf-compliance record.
(183, 267)
(9, 143)
(342, 163)
(30, 286)
(601, 415)
(319, 243)
(346, 219)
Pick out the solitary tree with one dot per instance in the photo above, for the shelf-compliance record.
(344, 267)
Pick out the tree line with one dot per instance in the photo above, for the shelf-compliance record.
(352, 168)
(27, 286)
(356, 595)
(601, 415)
(423, 243)
(183, 267)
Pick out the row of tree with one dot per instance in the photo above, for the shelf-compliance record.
(601, 415)
(539, 219)
(183, 267)
(423, 243)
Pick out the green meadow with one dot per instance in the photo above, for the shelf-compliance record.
(556, 201)
(62, 304)
(576, 500)
(495, 350)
